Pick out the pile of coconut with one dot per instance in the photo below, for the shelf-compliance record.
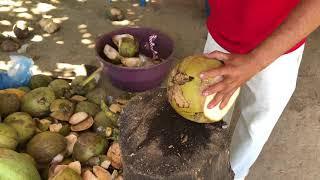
(23, 31)
(54, 129)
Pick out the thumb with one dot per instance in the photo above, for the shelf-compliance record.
(218, 55)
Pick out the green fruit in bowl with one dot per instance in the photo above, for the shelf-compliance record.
(91, 108)
(60, 87)
(9, 103)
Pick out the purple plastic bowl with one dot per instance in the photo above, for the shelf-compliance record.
(142, 78)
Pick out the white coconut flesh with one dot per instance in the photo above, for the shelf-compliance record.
(216, 114)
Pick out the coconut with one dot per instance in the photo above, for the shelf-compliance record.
(101, 122)
(24, 88)
(43, 124)
(37, 102)
(127, 46)
(61, 109)
(39, 80)
(10, 45)
(15, 166)
(60, 87)
(8, 137)
(82, 90)
(21, 30)
(48, 25)
(185, 90)
(112, 54)
(65, 130)
(97, 95)
(115, 14)
(66, 173)
(9, 103)
(88, 107)
(44, 146)
(88, 145)
(23, 123)
(114, 155)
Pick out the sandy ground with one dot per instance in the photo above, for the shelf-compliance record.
(292, 151)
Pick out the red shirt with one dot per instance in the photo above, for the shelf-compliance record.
(240, 25)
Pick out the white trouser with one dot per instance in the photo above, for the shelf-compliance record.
(262, 100)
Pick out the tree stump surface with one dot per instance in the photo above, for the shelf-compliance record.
(157, 143)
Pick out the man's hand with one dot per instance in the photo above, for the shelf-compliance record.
(236, 71)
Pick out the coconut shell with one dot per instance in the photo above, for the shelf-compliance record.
(97, 95)
(101, 122)
(21, 31)
(10, 45)
(9, 103)
(37, 102)
(59, 87)
(8, 137)
(85, 106)
(88, 145)
(66, 174)
(23, 123)
(39, 80)
(44, 146)
(62, 109)
(82, 90)
(114, 154)
(84, 125)
(115, 14)
(15, 166)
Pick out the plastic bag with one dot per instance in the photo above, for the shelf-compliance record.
(18, 74)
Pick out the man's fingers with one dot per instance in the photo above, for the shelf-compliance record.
(226, 99)
(214, 88)
(217, 98)
(218, 55)
(214, 72)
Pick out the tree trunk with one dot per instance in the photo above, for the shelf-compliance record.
(157, 143)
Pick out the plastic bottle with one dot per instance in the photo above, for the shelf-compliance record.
(18, 74)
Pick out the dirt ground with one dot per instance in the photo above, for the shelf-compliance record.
(292, 151)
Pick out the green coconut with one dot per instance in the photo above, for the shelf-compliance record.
(24, 125)
(65, 130)
(97, 95)
(24, 88)
(37, 102)
(61, 109)
(101, 122)
(44, 146)
(88, 145)
(9, 103)
(8, 137)
(115, 14)
(128, 47)
(15, 166)
(66, 174)
(39, 80)
(77, 88)
(185, 90)
(60, 87)
(91, 108)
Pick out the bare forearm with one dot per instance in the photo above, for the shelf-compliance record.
(304, 19)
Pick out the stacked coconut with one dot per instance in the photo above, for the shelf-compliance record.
(22, 31)
(58, 130)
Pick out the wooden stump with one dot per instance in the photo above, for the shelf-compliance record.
(157, 143)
